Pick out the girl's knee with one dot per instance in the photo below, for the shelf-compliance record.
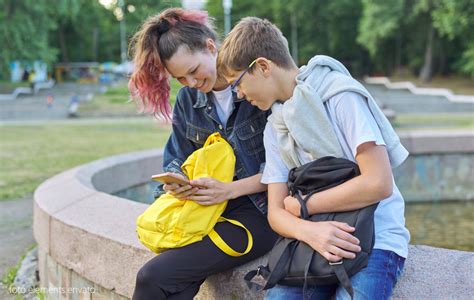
(151, 274)
(148, 284)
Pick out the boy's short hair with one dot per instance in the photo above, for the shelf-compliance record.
(252, 38)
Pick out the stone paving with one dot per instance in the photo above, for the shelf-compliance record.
(403, 101)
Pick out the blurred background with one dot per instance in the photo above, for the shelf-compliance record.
(415, 38)
(64, 99)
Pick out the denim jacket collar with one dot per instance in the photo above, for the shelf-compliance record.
(203, 99)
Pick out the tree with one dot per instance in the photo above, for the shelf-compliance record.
(310, 26)
(454, 20)
(430, 36)
(25, 27)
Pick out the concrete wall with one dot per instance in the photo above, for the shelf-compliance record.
(440, 166)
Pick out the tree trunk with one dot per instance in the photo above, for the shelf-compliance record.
(294, 38)
(426, 72)
(95, 44)
(62, 44)
(398, 53)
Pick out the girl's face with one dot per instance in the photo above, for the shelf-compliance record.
(195, 69)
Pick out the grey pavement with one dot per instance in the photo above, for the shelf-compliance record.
(16, 234)
(34, 107)
(403, 101)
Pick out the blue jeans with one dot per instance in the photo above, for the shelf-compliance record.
(376, 281)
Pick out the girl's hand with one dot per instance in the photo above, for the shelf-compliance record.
(211, 191)
(182, 192)
(333, 240)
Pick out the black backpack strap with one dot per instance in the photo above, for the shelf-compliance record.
(303, 210)
(280, 269)
(342, 276)
(306, 272)
(277, 273)
(338, 268)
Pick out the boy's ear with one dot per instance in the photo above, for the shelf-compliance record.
(211, 46)
(265, 66)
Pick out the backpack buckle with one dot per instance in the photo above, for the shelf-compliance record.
(336, 263)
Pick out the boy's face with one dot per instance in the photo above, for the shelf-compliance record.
(256, 88)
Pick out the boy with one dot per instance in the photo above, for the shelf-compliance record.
(320, 110)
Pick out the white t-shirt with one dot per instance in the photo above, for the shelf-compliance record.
(224, 104)
(354, 125)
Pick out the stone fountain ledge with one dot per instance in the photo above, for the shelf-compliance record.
(87, 241)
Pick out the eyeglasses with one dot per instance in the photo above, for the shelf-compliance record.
(234, 85)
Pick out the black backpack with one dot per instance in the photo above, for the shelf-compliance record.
(294, 263)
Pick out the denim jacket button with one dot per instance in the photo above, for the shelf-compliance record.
(209, 108)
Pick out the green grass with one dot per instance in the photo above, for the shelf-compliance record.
(9, 276)
(31, 154)
(434, 121)
(116, 102)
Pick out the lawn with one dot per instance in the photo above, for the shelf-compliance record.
(451, 121)
(31, 154)
(7, 87)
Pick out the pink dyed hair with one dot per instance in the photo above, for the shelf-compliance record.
(149, 84)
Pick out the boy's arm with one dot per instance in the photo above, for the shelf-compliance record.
(333, 240)
(374, 184)
(363, 138)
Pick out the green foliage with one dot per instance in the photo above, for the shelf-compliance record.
(322, 27)
(366, 35)
(466, 63)
(454, 20)
(67, 30)
(25, 27)
(370, 35)
(379, 22)
(9, 276)
(397, 32)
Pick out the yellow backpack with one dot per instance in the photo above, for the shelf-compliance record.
(173, 223)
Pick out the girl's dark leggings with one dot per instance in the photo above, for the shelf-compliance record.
(178, 273)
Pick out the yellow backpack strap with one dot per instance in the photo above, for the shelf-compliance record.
(219, 242)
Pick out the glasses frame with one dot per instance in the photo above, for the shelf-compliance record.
(234, 85)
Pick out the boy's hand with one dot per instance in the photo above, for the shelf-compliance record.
(292, 205)
(333, 240)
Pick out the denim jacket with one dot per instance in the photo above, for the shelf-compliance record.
(195, 118)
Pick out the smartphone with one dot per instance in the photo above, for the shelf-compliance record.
(169, 178)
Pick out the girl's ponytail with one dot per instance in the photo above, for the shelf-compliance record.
(149, 84)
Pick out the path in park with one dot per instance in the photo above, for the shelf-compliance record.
(403, 101)
(16, 234)
(34, 107)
